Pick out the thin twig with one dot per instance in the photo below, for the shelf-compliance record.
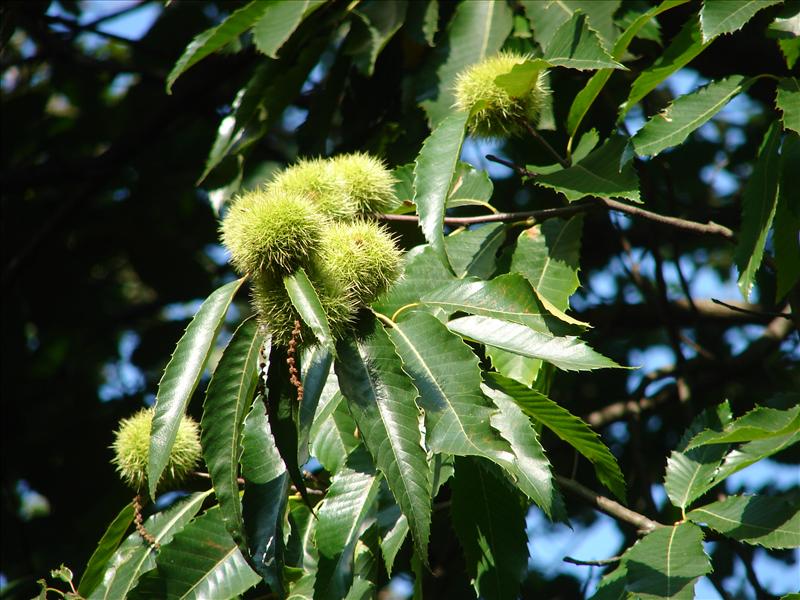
(537, 216)
(522, 171)
(537, 136)
(592, 563)
(609, 506)
(751, 312)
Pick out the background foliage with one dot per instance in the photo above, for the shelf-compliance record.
(111, 190)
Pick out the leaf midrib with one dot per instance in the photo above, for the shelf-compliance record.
(747, 523)
(438, 387)
(691, 125)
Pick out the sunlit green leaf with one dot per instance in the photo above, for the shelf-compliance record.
(477, 30)
(228, 399)
(690, 472)
(182, 375)
(567, 352)
(514, 366)
(473, 252)
(565, 425)
(750, 453)
(424, 271)
(278, 21)
(446, 373)
(758, 424)
(772, 522)
(135, 557)
(201, 561)
(758, 209)
(381, 399)
(318, 385)
(305, 299)
(547, 17)
(507, 297)
(673, 125)
(548, 255)
(666, 563)
(612, 585)
(726, 16)
(575, 46)
(334, 434)
(433, 177)
(349, 500)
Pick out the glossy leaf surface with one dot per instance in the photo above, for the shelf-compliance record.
(182, 375)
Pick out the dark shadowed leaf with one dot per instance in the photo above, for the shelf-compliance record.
(382, 20)
(772, 522)
(758, 209)
(787, 219)
(598, 174)
(683, 48)
(264, 499)
(490, 524)
(283, 412)
(182, 375)
(228, 399)
(215, 38)
(93, 575)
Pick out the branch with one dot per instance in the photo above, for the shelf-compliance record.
(609, 506)
(748, 311)
(592, 563)
(537, 216)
